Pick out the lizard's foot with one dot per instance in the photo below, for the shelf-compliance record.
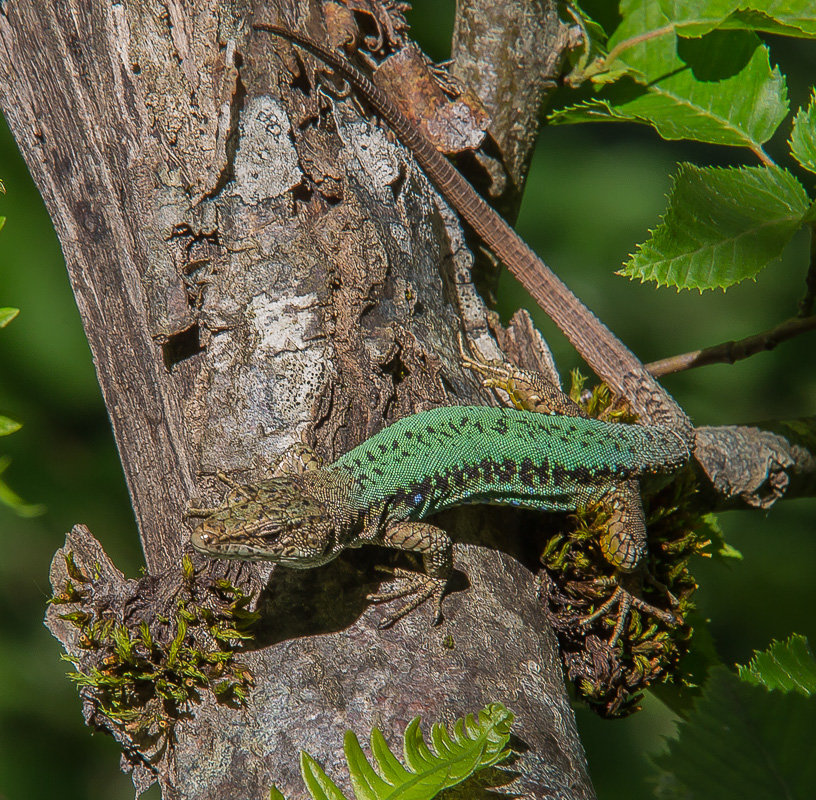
(236, 490)
(419, 585)
(625, 602)
(495, 374)
(199, 511)
(527, 390)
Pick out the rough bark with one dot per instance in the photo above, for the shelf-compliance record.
(256, 262)
(509, 54)
(253, 262)
(753, 467)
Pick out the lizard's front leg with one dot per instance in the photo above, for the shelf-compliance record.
(436, 549)
(528, 390)
(297, 459)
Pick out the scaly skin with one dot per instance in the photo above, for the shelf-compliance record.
(382, 491)
(624, 543)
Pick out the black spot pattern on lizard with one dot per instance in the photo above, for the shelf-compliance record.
(449, 456)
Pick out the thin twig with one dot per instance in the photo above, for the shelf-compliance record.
(729, 352)
(762, 155)
(806, 303)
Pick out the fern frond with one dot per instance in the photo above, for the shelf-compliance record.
(473, 744)
(320, 785)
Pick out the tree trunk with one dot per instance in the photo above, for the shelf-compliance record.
(256, 262)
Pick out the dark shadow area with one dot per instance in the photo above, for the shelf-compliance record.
(181, 346)
(330, 598)
(732, 50)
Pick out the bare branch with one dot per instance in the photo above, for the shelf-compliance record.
(730, 352)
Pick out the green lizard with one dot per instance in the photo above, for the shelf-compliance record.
(383, 490)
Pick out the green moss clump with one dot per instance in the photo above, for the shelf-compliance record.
(140, 673)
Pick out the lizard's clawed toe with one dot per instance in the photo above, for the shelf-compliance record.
(625, 601)
(419, 586)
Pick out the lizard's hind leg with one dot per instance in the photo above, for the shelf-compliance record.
(297, 459)
(624, 546)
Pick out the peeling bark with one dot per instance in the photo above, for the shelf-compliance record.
(510, 55)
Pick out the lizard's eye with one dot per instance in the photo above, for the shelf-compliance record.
(203, 540)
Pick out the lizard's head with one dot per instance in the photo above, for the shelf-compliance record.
(282, 520)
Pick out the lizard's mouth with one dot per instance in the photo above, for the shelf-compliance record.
(210, 544)
(214, 544)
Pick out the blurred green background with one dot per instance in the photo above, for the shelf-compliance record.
(592, 195)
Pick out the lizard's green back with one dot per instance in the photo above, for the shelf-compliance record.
(452, 455)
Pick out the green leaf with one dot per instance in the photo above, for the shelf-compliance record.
(275, 793)
(7, 315)
(593, 29)
(11, 499)
(594, 110)
(16, 503)
(593, 44)
(785, 17)
(368, 785)
(693, 98)
(722, 549)
(721, 226)
(685, 89)
(788, 666)
(320, 785)
(8, 426)
(742, 742)
(803, 136)
(474, 744)
(692, 670)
